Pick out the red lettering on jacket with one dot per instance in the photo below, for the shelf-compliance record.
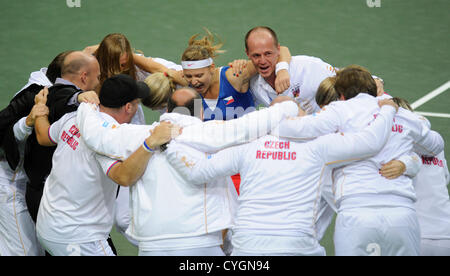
(427, 160)
(397, 128)
(70, 140)
(64, 136)
(276, 145)
(276, 155)
(74, 131)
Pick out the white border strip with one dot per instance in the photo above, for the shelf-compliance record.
(431, 95)
(433, 114)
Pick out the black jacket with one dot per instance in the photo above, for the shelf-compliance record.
(38, 159)
(19, 107)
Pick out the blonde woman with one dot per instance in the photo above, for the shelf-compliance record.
(326, 93)
(161, 88)
(225, 93)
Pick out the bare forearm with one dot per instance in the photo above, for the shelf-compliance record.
(147, 64)
(41, 127)
(131, 169)
(285, 54)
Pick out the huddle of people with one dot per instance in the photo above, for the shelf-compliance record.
(249, 159)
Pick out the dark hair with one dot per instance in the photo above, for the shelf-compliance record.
(272, 32)
(54, 68)
(188, 107)
(355, 79)
(402, 103)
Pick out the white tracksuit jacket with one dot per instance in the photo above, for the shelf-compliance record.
(281, 180)
(362, 178)
(306, 73)
(165, 205)
(433, 204)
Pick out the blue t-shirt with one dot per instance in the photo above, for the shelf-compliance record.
(231, 104)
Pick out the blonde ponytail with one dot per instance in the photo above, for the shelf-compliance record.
(202, 48)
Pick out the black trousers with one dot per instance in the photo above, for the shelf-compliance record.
(33, 197)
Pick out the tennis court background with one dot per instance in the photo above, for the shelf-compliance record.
(404, 42)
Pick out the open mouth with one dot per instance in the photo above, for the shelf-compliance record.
(264, 69)
(198, 87)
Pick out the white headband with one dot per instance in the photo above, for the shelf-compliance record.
(196, 64)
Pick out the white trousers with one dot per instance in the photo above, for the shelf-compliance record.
(435, 247)
(205, 251)
(17, 229)
(377, 231)
(248, 244)
(96, 248)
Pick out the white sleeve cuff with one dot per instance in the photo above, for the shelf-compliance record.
(281, 66)
(412, 163)
(21, 130)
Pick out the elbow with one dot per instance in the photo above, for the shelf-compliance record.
(124, 180)
(441, 144)
(45, 142)
(40, 140)
(120, 176)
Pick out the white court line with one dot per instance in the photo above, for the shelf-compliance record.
(433, 114)
(431, 95)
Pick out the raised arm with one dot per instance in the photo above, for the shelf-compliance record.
(39, 118)
(149, 65)
(91, 49)
(241, 71)
(283, 79)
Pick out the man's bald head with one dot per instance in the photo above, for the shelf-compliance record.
(81, 69)
(76, 61)
(184, 95)
(261, 32)
(185, 101)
